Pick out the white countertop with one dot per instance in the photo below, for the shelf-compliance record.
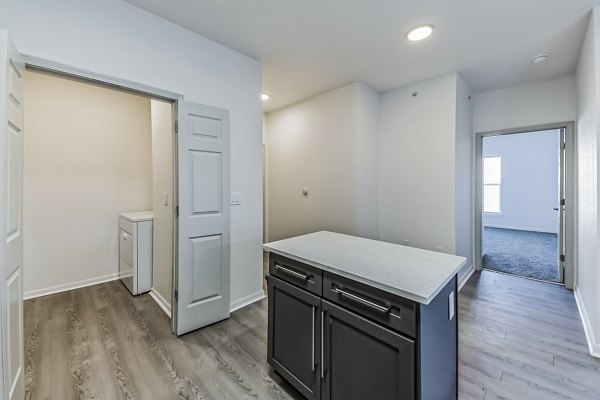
(138, 216)
(413, 273)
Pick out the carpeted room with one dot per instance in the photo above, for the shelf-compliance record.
(521, 204)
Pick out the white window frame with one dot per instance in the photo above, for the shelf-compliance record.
(499, 184)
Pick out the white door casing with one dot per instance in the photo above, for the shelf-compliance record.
(202, 281)
(11, 220)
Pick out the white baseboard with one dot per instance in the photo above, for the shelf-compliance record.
(593, 345)
(519, 228)
(161, 301)
(245, 301)
(466, 272)
(70, 286)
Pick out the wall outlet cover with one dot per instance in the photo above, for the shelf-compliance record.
(236, 198)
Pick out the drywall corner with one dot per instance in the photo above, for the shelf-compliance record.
(588, 130)
(416, 145)
(367, 167)
(464, 192)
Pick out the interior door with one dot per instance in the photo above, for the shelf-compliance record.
(11, 220)
(201, 294)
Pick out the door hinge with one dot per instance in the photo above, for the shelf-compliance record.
(562, 258)
(177, 211)
(176, 126)
(562, 202)
(176, 295)
(563, 145)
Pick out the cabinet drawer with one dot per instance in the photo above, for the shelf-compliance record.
(299, 274)
(126, 245)
(387, 309)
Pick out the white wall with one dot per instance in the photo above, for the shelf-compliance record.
(117, 39)
(529, 189)
(87, 159)
(162, 182)
(417, 165)
(367, 158)
(326, 144)
(534, 103)
(587, 289)
(464, 190)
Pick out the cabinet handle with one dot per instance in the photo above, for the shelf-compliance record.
(361, 300)
(313, 340)
(291, 272)
(322, 344)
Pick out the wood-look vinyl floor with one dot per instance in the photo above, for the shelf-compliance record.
(519, 339)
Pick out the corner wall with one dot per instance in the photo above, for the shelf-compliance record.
(587, 289)
(326, 145)
(117, 39)
(464, 176)
(417, 165)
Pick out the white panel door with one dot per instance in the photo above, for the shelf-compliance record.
(202, 275)
(11, 220)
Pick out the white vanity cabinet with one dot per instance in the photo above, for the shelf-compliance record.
(135, 251)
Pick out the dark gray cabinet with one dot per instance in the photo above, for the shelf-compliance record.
(363, 360)
(334, 338)
(294, 339)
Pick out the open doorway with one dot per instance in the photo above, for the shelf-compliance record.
(91, 154)
(524, 203)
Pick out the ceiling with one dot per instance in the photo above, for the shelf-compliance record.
(310, 46)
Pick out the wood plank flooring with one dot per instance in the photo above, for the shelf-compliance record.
(519, 339)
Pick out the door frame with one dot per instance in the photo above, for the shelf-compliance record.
(570, 210)
(138, 88)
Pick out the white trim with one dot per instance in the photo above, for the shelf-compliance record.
(161, 301)
(593, 346)
(467, 271)
(514, 228)
(492, 214)
(245, 301)
(53, 66)
(70, 286)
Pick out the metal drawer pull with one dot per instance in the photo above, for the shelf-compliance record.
(361, 300)
(313, 340)
(322, 344)
(291, 272)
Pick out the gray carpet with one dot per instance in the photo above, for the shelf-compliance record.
(523, 253)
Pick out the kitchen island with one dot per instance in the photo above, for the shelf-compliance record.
(353, 318)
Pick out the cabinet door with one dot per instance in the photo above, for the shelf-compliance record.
(294, 336)
(364, 360)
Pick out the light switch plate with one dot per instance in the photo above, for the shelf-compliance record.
(236, 198)
(451, 306)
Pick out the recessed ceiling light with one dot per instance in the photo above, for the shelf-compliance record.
(265, 96)
(539, 58)
(419, 33)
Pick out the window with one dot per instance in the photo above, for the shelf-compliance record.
(492, 177)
